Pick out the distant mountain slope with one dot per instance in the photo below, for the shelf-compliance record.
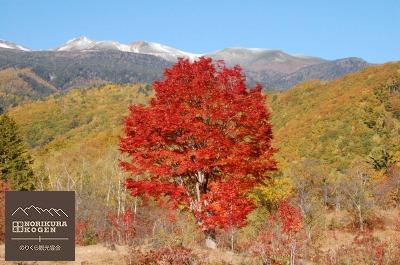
(20, 85)
(328, 70)
(73, 69)
(339, 122)
(261, 60)
(277, 70)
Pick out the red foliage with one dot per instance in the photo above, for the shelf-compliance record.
(281, 239)
(124, 224)
(80, 232)
(290, 217)
(86, 233)
(203, 132)
(157, 189)
(225, 207)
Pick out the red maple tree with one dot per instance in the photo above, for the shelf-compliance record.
(202, 142)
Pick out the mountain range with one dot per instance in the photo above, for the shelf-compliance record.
(82, 62)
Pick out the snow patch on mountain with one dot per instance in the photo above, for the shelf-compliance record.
(77, 44)
(11, 45)
(160, 50)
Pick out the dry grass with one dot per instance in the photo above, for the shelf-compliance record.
(98, 254)
(219, 256)
(333, 239)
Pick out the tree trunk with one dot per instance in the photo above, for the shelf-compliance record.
(201, 188)
(232, 241)
(361, 220)
(211, 241)
(292, 254)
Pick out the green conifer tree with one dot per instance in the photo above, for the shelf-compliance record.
(15, 162)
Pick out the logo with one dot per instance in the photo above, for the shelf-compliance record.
(50, 211)
(40, 225)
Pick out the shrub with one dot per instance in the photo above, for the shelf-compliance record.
(163, 256)
(124, 225)
(84, 233)
(282, 239)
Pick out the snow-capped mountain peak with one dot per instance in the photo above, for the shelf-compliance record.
(83, 43)
(11, 45)
(168, 53)
(77, 44)
(80, 39)
(160, 50)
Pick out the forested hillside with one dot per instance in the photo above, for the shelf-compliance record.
(20, 85)
(337, 122)
(340, 122)
(77, 114)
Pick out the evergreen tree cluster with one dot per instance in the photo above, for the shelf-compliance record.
(15, 162)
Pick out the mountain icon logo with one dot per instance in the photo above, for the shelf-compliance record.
(36, 209)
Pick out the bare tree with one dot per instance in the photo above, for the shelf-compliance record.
(356, 189)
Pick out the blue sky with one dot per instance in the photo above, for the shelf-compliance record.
(330, 29)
